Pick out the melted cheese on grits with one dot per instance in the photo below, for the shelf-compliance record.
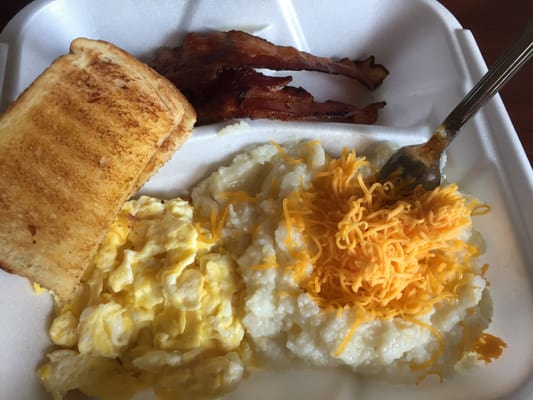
(157, 309)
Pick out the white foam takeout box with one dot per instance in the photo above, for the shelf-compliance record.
(433, 62)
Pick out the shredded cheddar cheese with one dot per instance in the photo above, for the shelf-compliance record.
(489, 347)
(284, 155)
(269, 262)
(376, 251)
(364, 246)
(238, 196)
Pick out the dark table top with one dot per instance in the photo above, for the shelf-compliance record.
(495, 24)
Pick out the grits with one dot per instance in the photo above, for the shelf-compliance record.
(244, 203)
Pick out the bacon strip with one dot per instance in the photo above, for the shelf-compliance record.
(216, 72)
(213, 51)
(244, 92)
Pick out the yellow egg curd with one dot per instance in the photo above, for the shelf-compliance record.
(158, 310)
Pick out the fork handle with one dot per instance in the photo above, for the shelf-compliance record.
(497, 76)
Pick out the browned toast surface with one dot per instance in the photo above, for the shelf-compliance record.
(74, 146)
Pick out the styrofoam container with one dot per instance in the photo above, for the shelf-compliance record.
(433, 62)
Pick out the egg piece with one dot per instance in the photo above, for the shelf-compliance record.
(158, 302)
(101, 377)
(64, 329)
(104, 330)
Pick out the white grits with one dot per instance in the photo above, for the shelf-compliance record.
(283, 321)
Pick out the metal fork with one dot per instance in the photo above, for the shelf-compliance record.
(420, 164)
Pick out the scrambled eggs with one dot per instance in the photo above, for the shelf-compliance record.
(157, 309)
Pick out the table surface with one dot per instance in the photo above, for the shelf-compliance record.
(495, 24)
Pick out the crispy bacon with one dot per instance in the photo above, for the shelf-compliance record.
(214, 51)
(216, 72)
(244, 92)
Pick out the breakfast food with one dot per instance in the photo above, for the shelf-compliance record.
(156, 309)
(286, 256)
(217, 72)
(341, 270)
(73, 148)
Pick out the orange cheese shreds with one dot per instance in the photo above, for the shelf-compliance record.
(489, 347)
(216, 223)
(375, 250)
(269, 262)
(238, 196)
(284, 155)
(360, 245)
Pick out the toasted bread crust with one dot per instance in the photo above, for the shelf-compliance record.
(73, 147)
(171, 143)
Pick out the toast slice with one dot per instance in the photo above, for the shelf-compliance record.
(74, 147)
(171, 143)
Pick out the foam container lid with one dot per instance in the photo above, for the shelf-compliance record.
(433, 62)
